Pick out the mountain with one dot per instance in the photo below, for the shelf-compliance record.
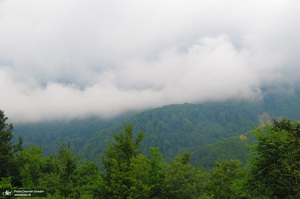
(172, 128)
(176, 128)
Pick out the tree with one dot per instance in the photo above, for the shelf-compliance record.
(183, 181)
(275, 164)
(126, 170)
(6, 146)
(30, 161)
(59, 172)
(87, 181)
(124, 148)
(156, 173)
(8, 166)
(68, 163)
(223, 178)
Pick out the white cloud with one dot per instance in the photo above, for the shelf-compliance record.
(69, 59)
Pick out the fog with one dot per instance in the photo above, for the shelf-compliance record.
(62, 60)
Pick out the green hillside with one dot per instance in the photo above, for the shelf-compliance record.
(47, 134)
(127, 172)
(236, 147)
(176, 128)
(172, 128)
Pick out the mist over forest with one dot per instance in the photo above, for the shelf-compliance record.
(73, 60)
(150, 99)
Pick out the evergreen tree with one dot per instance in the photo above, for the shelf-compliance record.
(8, 164)
(68, 163)
(6, 146)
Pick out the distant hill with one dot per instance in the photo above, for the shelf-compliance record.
(236, 147)
(176, 128)
(173, 128)
(47, 134)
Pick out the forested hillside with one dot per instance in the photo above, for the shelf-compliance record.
(176, 128)
(236, 147)
(273, 170)
(172, 128)
(47, 134)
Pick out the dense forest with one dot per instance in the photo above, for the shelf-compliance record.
(236, 147)
(273, 170)
(173, 128)
(229, 149)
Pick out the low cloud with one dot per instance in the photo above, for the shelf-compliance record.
(66, 60)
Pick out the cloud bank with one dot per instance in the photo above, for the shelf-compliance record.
(74, 59)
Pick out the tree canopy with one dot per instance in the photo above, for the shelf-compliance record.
(273, 172)
(275, 164)
(7, 148)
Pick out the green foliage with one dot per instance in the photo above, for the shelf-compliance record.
(275, 164)
(183, 181)
(66, 165)
(274, 170)
(172, 128)
(63, 176)
(129, 181)
(8, 164)
(7, 149)
(124, 148)
(26, 176)
(86, 181)
(236, 147)
(47, 134)
(5, 183)
(67, 162)
(176, 128)
(126, 170)
(156, 173)
(30, 166)
(60, 174)
(224, 178)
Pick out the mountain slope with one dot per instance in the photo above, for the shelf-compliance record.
(175, 128)
(47, 134)
(236, 147)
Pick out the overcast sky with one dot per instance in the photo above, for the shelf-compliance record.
(65, 59)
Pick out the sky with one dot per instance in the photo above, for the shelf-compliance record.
(70, 59)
